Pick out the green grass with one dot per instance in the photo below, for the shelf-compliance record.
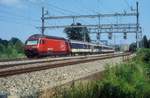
(126, 80)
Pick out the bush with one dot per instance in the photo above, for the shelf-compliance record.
(144, 55)
(126, 80)
(11, 49)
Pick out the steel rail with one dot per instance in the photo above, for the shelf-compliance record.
(43, 60)
(20, 70)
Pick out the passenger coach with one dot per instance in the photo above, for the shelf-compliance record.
(42, 45)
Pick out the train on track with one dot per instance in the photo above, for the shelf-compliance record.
(42, 45)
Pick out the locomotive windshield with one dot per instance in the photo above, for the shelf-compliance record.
(32, 42)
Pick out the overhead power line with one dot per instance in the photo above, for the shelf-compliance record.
(91, 16)
(102, 28)
(17, 22)
(127, 3)
(5, 13)
(62, 9)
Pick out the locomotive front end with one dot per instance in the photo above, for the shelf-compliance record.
(31, 48)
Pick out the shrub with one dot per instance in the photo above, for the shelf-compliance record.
(125, 80)
(11, 49)
(144, 55)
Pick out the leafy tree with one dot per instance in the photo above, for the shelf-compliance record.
(145, 42)
(85, 34)
(144, 55)
(2, 47)
(18, 45)
(132, 47)
(4, 42)
(77, 33)
(117, 48)
(149, 43)
(13, 40)
(11, 49)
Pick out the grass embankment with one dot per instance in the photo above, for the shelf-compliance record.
(126, 80)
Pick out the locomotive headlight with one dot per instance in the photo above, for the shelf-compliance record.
(34, 46)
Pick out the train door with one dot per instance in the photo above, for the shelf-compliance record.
(68, 48)
(42, 46)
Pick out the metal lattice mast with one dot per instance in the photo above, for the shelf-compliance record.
(101, 28)
(137, 29)
(43, 21)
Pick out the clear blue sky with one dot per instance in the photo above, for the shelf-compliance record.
(19, 18)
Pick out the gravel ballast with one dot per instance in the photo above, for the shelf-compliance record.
(31, 83)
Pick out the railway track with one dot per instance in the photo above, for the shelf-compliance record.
(14, 68)
(19, 62)
(15, 59)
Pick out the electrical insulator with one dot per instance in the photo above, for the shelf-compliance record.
(110, 35)
(98, 36)
(125, 35)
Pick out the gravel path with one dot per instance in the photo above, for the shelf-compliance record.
(31, 83)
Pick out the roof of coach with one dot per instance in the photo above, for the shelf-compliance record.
(88, 43)
(81, 42)
(37, 36)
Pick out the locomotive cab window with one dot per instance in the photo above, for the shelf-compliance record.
(32, 42)
(42, 41)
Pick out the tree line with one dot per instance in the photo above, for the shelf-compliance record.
(144, 43)
(12, 48)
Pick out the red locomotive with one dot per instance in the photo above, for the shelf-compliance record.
(39, 45)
